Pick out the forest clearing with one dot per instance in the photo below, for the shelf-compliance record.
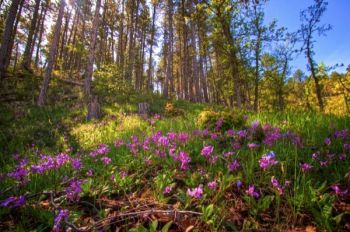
(174, 115)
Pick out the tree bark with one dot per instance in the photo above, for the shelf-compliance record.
(7, 38)
(150, 65)
(315, 77)
(27, 56)
(42, 24)
(91, 57)
(52, 56)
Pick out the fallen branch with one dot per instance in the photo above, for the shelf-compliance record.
(71, 81)
(131, 215)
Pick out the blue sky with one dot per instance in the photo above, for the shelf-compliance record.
(331, 49)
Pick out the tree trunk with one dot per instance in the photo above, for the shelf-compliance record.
(150, 65)
(91, 57)
(27, 56)
(257, 74)
(315, 77)
(7, 38)
(40, 34)
(52, 56)
(9, 50)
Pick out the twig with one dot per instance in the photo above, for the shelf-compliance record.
(74, 227)
(90, 204)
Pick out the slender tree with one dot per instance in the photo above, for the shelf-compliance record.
(7, 38)
(91, 57)
(310, 25)
(27, 56)
(52, 55)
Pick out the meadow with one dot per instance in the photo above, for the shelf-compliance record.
(184, 167)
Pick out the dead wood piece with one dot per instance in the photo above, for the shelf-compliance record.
(94, 108)
(143, 108)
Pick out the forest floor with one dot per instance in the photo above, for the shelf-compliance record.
(185, 167)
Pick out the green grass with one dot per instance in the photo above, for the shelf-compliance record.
(55, 129)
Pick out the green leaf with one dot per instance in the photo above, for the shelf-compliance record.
(209, 210)
(154, 226)
(166, 227)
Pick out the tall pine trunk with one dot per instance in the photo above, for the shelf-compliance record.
(41, 32)
(150, 66)
(91, 57)
(7, 38)
(52, 56)
(27, 56)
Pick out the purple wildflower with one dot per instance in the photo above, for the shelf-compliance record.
(327, 141)
(251, 192)
(342, 156)
(101, 150)
(239, 184)
(234, 165)
(242, 134)
(324, 163)
(252, 145)
(172, 136)
(205, 132)
(106, 160)
(20, 174)
(184, 159)
(314, 156)
(118, 143)
(344, 134)
(168, 189)
(62, 215)
(74, 189)
(146, 144)
(123, 174)
(214, 136)
(236, 145)
(276, 184)
(90, 173)
(196, 192)
(230, 133)
(183, 137)
(76, 164)
(207, 151)
(160, 154)
(229, 154)
(163, 141)
(13, 202)
(268, 160)
(219, 123)
(271, 135)
(212, 185)
(337, 190)
(305, 167)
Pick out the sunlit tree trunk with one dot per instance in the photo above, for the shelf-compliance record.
(52, 56)
(27, 56)
(91, 57)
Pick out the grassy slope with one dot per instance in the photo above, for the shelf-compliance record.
(55, 129)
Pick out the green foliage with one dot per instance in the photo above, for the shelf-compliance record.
(231, 119)
(109, 82)
(172, 111)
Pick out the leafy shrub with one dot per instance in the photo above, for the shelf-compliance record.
(230, 119)
(110, 83)
(171, 110)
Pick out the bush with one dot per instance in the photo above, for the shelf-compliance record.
(172, 111)
(228, 119)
